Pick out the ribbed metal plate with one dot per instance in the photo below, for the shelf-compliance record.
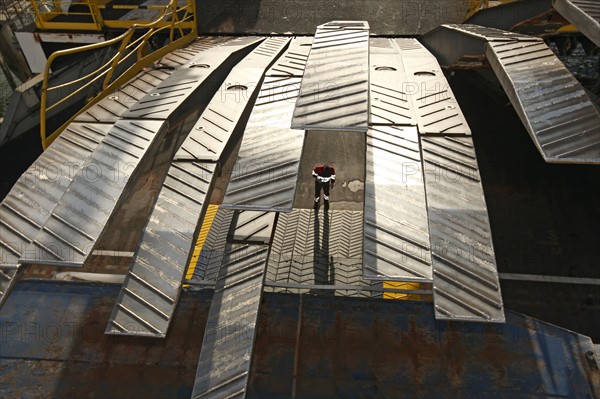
(253, 226)
(489, 34)
(28, 205)
(465, 279)
(186, 55)
(335, 84)
(433, 101)
(165, 97)
(293, 61)
(215, 126)
(151, 289)
(225, 358)
(584, 14)
(396, 240)
(112, 107)
(68, 236)
(265, 172)
(558, 114)
(389, 102)
(31, 200)
(322, 248)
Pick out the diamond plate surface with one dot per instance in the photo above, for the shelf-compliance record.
(169, 94)
(396, 240)
(215, 126)
(335, 84)
(68, 236)
(465, 279)
(433, 101)
(265, 172)
(584, 14)
(149, 295)
(555, 109)
(389, 101)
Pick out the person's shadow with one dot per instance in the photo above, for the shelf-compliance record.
(322, 262)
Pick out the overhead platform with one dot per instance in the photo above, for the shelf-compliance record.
(558, 114)
(149, 295)
(584, 14)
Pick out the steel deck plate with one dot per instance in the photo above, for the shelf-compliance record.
(396, 239)
(389, 101)
(151, 289)
(293, 61)
(318, 248)
(214, 128)
(252, 227)
(335, 85)
(433, 100)
(81, 215)
(265, 172)
(28, 205)
(465, 279)
(168, 95)
(229, 337)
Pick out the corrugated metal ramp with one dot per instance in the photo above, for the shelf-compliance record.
(552, 104)
(149, 295)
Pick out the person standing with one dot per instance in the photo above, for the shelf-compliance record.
(324, 178)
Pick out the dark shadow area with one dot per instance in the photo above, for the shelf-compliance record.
(544, 217)
(54, 345)
(323, 266)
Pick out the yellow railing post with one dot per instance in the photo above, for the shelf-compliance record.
(126, 48)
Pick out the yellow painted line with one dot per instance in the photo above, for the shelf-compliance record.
(401, 286)
(209, 217)
(568, 29)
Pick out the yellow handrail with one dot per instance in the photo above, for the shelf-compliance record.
(127, 47)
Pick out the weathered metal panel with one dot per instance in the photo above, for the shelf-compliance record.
(265, 172)
(53, 345)
(169, 94)
(213, 250)
(253, 226)
(432, 98)
(334, 91)
(75, 224)
(212, 131)
(559, 116)
(325, 347)
(396, 233)
(151, 289)
(318, 247)
(228, 344)
(584, 14)
(388, 100)
(465, 278)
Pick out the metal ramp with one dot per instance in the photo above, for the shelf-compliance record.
(584, 14)
(555, 109)
(149, 294)
(333, 94)
(229, 338)
(265, 173)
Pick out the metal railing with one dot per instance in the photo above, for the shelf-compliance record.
(88, 15)
(178, 17)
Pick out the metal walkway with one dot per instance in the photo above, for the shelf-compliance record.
(265, 173)
(555, 109)
(149, 295)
